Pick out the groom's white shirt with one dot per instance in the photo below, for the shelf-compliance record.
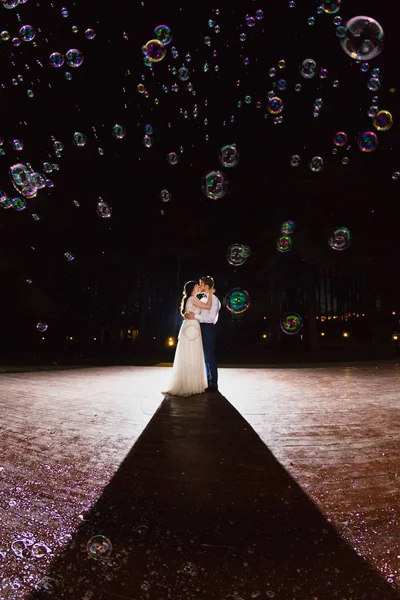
(209, 316)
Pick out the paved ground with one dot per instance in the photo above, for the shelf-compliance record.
(285, 487)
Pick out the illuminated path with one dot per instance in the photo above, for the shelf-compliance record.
(291, 489)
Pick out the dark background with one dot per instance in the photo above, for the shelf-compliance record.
(118, 299)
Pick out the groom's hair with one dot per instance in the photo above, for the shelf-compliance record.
(208, 281)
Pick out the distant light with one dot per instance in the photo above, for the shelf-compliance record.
(171, 341)
(265, 318)
(71, 338)
(43, 338)
(345, 334)
(264, 336)
(393, 312)
(323, 333)
(395, 337)
(94, 339)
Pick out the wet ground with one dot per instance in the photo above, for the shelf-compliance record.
(286, 486)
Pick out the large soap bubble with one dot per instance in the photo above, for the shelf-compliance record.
(363, 38)
(237, 301)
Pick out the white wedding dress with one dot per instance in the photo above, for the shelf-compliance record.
(189, 371)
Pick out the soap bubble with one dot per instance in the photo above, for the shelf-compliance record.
(340, 138)
(275, 105)
(237, 254)
(154, 50)
(331, 7)
(27, 33)
(19, 204)
(395, 176)
(374, 84)
(284, 243)
(308, 68)
(56, 59)
(119, 132)
(165, 196)
(368, 141)
(173, 158)
(287, 227)
(103, 209)
(163, 34)
(295, 160)
(316, 164)
(291, 323)
(215, 185)
(17, 145)
(229, 155)
(99, 547)
(74, 58)
(340, 239)
(79, 139)
(237, 301)
(41, 326)
(70, 257)
(147, 141)
(90, 34)
(383, 120)
(363, 39)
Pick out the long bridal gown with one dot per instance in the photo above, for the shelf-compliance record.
(189, 371)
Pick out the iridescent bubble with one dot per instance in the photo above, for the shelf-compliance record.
(229, 155)
(281, 85)
(163, 34)
(341, 31)
(58, 146)
(68, 256)
(374, 84)
(56, 59)
(383, 120)
(335, 83)
(242, 37)
(237, 301)
(250, 22)
(340, 239)
(284, 243)
(237, 254)
(345, 160)
(295, 160)
(340, 138)
(10, 3)
(99, 547)
(323, 73)
(396, 175)
(148, 129)
(6, 202)
(29, 191)
(165, 196)
(154, 50)
(259, 14)
(287, 227)
(64, 12)
(316, 164)
(291, 323)
(308, 68)
(90, 34)
(20, 175)
(364, 67)
(19, 204)
(363, 39)
(183, 73)
(214, 185)
(368, 141)
(39, 550)
(373, 111)
(297, 87)
(311, 21)
(272, 72)
(103, 209)
(119, 132)
(337, 21)
(173, 158)
(5, 36)
(275, 105)
(37, 180)
(17, 145)
(79, 139)
(331, 7)
(281, 63)
(207, 40)
(68, 76)
(27, 33)
(74, 57)
(41, 326)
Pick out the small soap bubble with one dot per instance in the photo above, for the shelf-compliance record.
(74, 58)
(147, 141)
(340, 138)
(396, 175)
(165, 196)
(316, 164)
(287, 227)
(331, 7)
(374, 84)
(295, 160)
(154, 50)
(237, 301)
(275, 105)
(214, 185)
(368, 141)
(68, 256)
(284, 243)
(103, 209)
(90, 34)
(99, 547)
(311, 21)
(237, 254)
(119, 132)
(340, 239)
(79, 139)
(308, 68)
(229, 155)
(42, 327)
(27, 33)
(383, 120)
(163, 34)
(291, 323)
(173, 158)
(56, 59)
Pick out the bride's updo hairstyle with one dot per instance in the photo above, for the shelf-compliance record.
(187, 292)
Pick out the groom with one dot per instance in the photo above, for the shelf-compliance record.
(208, 319)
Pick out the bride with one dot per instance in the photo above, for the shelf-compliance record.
(189, 370)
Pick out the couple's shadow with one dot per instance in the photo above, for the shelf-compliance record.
(200, 508)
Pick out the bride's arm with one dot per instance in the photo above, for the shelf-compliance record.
(200, 304)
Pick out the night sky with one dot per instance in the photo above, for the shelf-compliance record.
(145, 235)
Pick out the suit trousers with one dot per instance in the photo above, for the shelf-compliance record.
(208, 336)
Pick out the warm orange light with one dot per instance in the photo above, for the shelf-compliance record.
(395, 337)
(264, 336)
(393, 312)
(323, 333)
(345, 334)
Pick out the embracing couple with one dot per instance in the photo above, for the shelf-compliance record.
(195, 366)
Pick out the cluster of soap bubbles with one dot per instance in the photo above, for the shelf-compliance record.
(73, 58)
(284, 241)
(237, 254)
(237, 301)
(27, 181)
(155, 49)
